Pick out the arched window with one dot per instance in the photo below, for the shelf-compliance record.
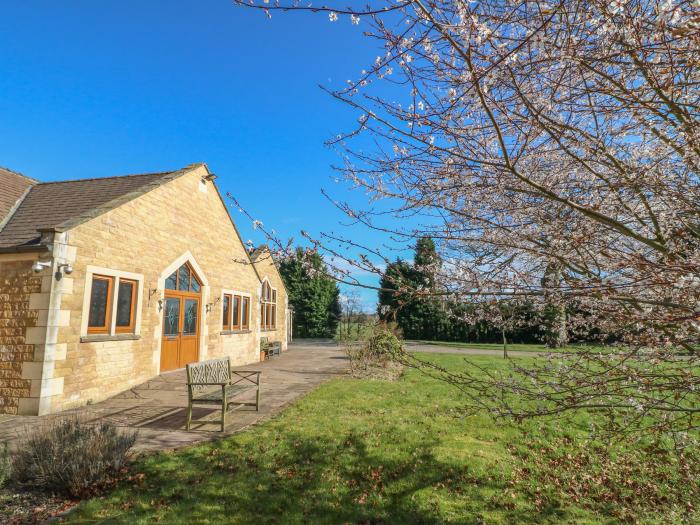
(183, 280)
(268, 307)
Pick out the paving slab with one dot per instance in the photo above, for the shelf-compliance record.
(157, 407)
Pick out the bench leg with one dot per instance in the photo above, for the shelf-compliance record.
(189, 415)
(224, 407)
(257, 399)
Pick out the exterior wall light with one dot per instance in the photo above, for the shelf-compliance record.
(39, 266)
(210, 306)
(66, 268)
(61, 269)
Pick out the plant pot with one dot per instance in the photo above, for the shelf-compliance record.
(262, 356)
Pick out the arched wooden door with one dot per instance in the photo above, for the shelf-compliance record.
(181, 319)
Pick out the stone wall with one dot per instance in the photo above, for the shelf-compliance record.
(18, 283)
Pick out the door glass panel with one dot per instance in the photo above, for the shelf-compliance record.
(124, 302)
(190, 327)
(98, 302)
(171, 282)
(184, 281)
(171, 318)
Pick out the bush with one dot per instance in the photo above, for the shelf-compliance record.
(71, 457)
(373, 350)
(5, 463)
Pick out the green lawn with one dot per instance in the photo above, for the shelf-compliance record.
(361, 451)
(518, 346)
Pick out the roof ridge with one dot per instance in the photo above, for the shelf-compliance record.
(18, 174)
(191, 166)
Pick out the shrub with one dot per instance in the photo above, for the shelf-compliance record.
(5, 463)
(373, 350)
(71, 457)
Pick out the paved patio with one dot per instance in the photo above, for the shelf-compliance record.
(157, 407)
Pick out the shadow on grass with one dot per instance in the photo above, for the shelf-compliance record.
(296, 479)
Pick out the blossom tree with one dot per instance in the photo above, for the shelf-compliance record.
(552, 150)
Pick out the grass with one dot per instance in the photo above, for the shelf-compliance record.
(356, 451)
(518, 347)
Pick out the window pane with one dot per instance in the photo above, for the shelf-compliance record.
(269, 315)
(171, 319)
(190, 321)
(244, 312)
(171, 282)
(227, 310)
(195, 287)
(262, 315)
(274, 296)
(124, 302)
(183, 283)
(236, 311)
(98, 303)
(273, 319)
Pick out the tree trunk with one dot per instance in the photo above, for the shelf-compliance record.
(554, 310)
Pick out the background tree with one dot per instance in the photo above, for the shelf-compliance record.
(351, 317)
(314, 295)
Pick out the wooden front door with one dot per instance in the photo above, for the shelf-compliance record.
(181, 320)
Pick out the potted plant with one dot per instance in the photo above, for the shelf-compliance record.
(263, 348)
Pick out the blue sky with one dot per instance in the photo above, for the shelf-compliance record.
(91, 89)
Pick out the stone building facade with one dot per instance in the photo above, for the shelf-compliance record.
(105, 283)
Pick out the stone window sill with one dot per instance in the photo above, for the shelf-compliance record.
(268, 330)
(231, 332)
(103, 337)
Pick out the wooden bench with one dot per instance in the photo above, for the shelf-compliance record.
(214, 383)
(271, 349)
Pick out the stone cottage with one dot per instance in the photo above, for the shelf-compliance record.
(105, 283)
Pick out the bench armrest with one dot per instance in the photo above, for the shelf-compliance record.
(252, 376)
(207, 384)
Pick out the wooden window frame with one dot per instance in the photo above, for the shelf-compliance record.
(227, 322)
(236, 323)
(268, 310)
(108, 307)
(193, 277)
(130, 329)
(111, 330)
(245, 323)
